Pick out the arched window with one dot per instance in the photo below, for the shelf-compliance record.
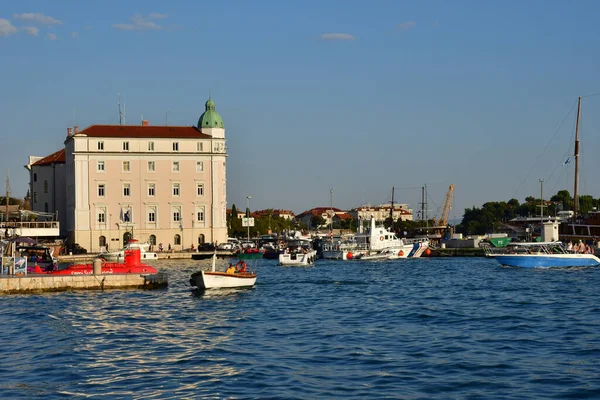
(102, 241)
(46, 207)
(201, 238)
(152, 240)
(177, 240)
(126, 237)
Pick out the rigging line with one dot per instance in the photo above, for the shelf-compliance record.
(559, 178)
(590, 95)
(545, 148)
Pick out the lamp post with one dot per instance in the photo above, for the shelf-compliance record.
(192, 229)
(541, 201)
(331, 211)
(248, 215)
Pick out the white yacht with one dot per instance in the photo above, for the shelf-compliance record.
(119, 255)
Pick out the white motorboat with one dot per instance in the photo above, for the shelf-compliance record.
(238, 278)
(119, 256)
(298, 253)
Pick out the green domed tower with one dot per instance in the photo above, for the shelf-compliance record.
(210, 118)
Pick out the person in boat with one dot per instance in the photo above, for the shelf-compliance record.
(581, 249)
(230, 269)
(570, 247)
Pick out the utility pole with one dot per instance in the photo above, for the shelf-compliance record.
(542, 201)
(331, 212)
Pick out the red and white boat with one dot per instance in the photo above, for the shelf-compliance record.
(132, 265)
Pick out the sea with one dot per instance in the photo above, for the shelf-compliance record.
(430, 328)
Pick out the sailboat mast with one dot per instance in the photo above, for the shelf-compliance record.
(7, 197)
(575, 189)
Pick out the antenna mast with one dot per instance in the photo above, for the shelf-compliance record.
(575, 192)
(7, 197)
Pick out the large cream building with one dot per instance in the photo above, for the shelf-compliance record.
(161, 184)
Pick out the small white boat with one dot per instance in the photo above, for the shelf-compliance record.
(240, 278)
(119, 256)
(387, 254)
(298, 253)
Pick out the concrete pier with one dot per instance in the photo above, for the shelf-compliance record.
(60, 283)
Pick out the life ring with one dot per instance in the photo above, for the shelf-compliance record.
(240, 266)
(400, 253)
(381, 238)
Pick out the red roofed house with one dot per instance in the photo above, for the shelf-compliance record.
(325, 212)
(162, 184)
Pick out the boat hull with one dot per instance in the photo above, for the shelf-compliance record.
(220, 280)
(298, 259)
(548, 260)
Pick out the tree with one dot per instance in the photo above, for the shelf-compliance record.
(317, 221)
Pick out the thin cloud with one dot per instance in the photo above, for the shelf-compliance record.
(74, 34)
(142, 23)
(52, 36)
(38, 17)
(6, 28)
(31, 30)
(404, 26)
(337, 36)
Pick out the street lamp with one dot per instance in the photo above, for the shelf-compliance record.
(248, 215)
(541, 201)
(331, 211)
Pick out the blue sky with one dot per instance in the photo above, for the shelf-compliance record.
(356, 95)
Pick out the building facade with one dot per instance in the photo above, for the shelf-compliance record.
(162, 184)
(382, 212)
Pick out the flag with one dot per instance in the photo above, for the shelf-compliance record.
(568, 160)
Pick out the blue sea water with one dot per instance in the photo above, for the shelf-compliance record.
(451, 328)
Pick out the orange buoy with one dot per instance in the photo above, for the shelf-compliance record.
(400, 253)
(349, 255)
(427, 252)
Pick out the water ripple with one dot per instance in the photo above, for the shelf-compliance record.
(411, 329)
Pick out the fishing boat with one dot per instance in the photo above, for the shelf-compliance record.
(119, 255)
(240, 277)
(250, 253)
(298, 253)
(540, 255)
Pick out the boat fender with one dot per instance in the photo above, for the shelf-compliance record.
(240, 266)
(400, 253)
(381, 238)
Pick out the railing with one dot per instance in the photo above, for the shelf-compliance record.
(31, 225)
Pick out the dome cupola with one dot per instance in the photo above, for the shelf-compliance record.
(210, 118)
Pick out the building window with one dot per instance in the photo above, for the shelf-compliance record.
(125, 146)
(152, 240)
(101, 188)
(150, 146)
(127, 189)
(101, 216)
(100, 166)
(151, 166)
(46, 207)
(152, 215)
(177, 240)
(200, 215)
(176, 189)
(126, 166)
(175, 166)
(199, 166)
(175, 146)
(35, 177)
(102, 241)
(35, 197)
(176, 214)
(45, 186)
(200, 189)
(200, 146)
(151, 189)
(101, 146)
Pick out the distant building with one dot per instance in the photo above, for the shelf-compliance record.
(285, 214)
(162, 184)
(382, 212)
(327, 213)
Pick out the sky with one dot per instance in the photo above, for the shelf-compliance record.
(354, 96)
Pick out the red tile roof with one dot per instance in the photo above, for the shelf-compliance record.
(54, 158)
(138, 131)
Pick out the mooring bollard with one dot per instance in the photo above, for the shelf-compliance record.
(97, 266)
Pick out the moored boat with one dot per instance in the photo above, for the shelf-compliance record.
(298, 253)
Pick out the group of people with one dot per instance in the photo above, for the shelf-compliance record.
(580, 248)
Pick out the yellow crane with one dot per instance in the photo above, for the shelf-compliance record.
(443, 221)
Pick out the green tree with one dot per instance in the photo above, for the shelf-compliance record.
(317, 221)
